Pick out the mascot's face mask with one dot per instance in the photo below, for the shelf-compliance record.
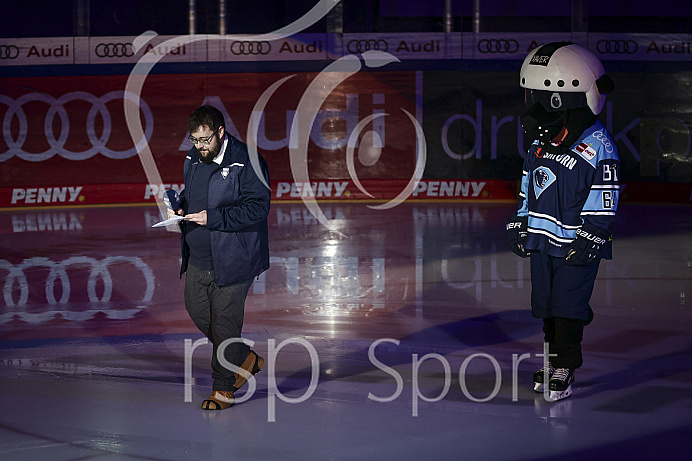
(548, 116)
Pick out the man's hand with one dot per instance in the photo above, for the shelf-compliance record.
(198, 218)
(172, 213)
(518, 231)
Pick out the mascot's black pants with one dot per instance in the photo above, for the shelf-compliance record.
(560, 295)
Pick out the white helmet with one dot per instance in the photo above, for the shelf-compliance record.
(563, 67)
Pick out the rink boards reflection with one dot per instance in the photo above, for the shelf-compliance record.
(106, 271)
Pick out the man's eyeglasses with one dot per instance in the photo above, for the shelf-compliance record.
(203, 141)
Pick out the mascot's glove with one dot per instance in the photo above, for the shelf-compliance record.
(586, 248)
(518, 231)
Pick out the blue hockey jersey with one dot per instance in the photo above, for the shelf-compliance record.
(562, 193)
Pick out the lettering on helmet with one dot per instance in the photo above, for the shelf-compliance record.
(539, 60)
(544, 53)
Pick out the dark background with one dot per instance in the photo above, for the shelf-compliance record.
(60, 18)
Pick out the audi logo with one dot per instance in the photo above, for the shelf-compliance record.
(114, 50)
(500, 45)
(249, 47)
(617, 46)
(58, 272)
(360, 46)
(9, 51)
(56, 145)
(604, 139)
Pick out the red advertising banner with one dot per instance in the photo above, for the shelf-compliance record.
(73, 130)
(66, 139)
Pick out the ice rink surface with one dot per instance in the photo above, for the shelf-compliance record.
(407, 334)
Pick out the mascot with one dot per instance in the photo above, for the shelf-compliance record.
(569, 195)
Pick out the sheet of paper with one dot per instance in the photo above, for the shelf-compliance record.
(171, 220)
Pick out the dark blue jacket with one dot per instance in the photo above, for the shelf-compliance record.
(237, 212)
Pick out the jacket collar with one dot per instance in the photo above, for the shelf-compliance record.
(222, 153)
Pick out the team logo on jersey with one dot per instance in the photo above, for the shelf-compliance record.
(542, 179)
(224, 172)
(586, 151)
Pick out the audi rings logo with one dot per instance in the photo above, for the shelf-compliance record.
(114, 50)
(9, 52)
(250, 47)
(599, 135)
(617, 46)
(360, 46)
(496, 45)
(56, 144)
(58, 272)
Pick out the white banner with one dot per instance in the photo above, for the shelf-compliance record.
(37, 51)
(321, 47)
(404, 46)
(299, 47)
(499, 45)
(641, 47)
(171, 48)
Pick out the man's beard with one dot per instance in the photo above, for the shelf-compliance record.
(207, 156)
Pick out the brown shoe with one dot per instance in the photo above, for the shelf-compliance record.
(253, 364)
(219, 400)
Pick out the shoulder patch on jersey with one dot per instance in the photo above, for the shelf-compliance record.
(601, 143)
(587, 152)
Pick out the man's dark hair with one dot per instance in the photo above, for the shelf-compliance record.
(205, 116)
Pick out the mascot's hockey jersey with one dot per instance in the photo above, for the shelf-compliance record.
(562, 193)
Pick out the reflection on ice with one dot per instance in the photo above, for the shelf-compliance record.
(93, 358)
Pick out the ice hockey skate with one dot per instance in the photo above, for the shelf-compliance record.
(542, 377)
(560, 384)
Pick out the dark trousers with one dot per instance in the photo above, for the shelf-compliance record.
(564, 337)
(560, 295)
(218, 313)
